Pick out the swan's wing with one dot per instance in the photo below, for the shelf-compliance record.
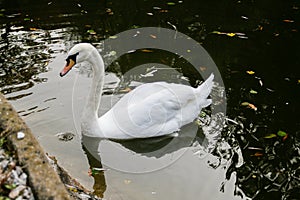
(156, 107)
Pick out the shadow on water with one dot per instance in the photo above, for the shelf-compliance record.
(254, 44)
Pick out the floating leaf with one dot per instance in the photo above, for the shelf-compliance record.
(113, 37)
(281, 133)
(288, 20)
(245, 103)
(298, 81)
(171, 3)
(285, 137)
(230, 34)
(153, 36)
(253, 92)
(257, 154)
(126, 90)
(91, 31)
(26, 19)
(146, 50)
(203, 68)
(164, 11)
(250, 72)
(270, 136)
(216, 32)
(252, 106)
(127, 181)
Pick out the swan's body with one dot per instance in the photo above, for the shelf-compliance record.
(150, 110)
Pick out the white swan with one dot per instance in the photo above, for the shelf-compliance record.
(150, 110)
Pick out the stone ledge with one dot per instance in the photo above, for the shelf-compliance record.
(43, 180)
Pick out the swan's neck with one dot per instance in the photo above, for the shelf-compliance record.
(91, 108)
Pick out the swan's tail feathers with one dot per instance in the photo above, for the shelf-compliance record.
(204, 90)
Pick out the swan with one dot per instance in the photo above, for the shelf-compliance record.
(150, 110)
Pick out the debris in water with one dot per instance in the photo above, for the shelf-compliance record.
(67, 136)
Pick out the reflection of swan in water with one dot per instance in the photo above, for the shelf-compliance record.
(150, 110)
(154, 148)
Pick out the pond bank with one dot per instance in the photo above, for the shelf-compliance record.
(44, 181)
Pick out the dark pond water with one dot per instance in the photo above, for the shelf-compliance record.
(255, 45)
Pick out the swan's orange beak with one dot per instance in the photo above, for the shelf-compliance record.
(67, 68)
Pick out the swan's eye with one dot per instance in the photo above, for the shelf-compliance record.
(72, 57)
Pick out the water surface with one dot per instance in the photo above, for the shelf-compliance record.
(241, 36)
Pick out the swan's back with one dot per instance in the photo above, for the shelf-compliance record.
(155, 109)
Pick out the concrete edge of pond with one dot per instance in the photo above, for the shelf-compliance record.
(42, 178)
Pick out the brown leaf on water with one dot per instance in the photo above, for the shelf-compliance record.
(252, 106)
(146, 50)
(153, 36)
(125, 90)
(164, 11)
(285, 137)
(257, 154)
(288, 20)
(202, 68)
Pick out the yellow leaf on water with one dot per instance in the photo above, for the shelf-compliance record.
(250, 72)
(230, 34)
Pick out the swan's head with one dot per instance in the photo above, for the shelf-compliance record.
(79, 53)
